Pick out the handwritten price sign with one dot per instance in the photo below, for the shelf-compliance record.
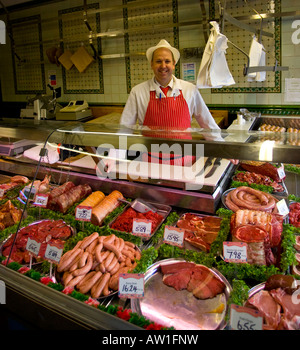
(174, 236)
(54, 252)
(83, 213)
(235, 252)
(245, 319)
(33, 246)
(41, 200)
(131, 285)
(142, 227)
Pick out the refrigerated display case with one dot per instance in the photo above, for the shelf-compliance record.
(73, 151)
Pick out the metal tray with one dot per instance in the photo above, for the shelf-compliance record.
(284, 193)
(33, 223)
(225, 193)
(180, 309)
(58, 278)
(162, 209)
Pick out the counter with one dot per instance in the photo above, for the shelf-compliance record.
(47, 307)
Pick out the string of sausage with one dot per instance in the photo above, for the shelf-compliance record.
(95, 263)
(244, 197)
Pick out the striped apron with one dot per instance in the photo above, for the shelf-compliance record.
(169, 113)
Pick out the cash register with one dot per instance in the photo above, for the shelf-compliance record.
(75, 110)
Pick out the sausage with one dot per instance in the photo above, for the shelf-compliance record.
(85, 287)
(98, 252)
(68, 261)
(99, 286)
(130, 244)
(112, 264)
(86, 268)
(109, 259)
(106, 291)
(248, 198)
(109, 239)
(104, 255)
(229, 203)
(88, 240)
(115, 268)
(85, 278)
(113, 249)
(259, 194)
(114, 280)
(74, 281)
(82, 259)
(122, 244)
(66, 278)
(92, 246)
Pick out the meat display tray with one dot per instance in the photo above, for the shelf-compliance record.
(180, 309)
(187, 245)
(162, 209)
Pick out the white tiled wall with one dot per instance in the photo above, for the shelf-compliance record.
(114, 70)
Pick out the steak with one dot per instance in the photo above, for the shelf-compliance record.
(197, 279)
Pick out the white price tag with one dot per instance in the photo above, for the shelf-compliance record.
(33, 246)
(142, 227)
(83, 213)
(2, 192)
(281, 172)
(245, 319)
(41, 200)
(53, 252)
(173, 235)
(235, 252)
(282, 207)
(131, 285)
(27, 193)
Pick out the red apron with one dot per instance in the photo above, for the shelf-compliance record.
(169, 113)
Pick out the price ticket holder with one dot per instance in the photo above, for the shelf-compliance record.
(174, 236)
(83, 213)
(142, 227)
(53, 251)
(243, 318)
(131, 285)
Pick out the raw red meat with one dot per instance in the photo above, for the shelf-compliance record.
(44, 231)
(197, 279)
(64, 201)
(265, 303)
(294, 214)
(124, 222)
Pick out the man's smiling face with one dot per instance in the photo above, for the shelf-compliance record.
(163, 65)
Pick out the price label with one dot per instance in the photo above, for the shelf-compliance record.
(131, 285)
(2, 192)
(235, 252)
(282, 207)
(245, 319)
(29, 192)
(33, 246)
(281, 172)
(53, 252)
(41, 200)
(173, 235)
(142, 227)
(83, 213)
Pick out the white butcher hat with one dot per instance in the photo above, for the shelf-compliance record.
(163, 43)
